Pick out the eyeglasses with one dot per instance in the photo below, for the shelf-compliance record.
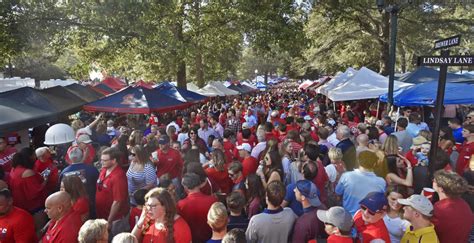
(364, 208)
(151, 206)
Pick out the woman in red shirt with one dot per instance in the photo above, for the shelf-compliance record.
(217, 171)
(159, 221)
(75, 187)
(28, 187)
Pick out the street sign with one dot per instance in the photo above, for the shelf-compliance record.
(448, 42)
(450, 61)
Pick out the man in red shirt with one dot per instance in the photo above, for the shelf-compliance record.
(368, 221)
(6, 155)
(112, 189)
(16, 224)
(452, 216)
(249, 163)
(43, 164)
(169, 160)
(65, 222)
(194, 208)
(467, 149)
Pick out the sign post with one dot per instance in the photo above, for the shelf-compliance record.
(443, 62)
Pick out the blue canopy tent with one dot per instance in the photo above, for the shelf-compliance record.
(170, 90)
(136, 100)
(260, 85)
(425, 94)
(425, 74)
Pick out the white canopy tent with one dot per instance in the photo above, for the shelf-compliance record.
(365, 84)
(189, 86)
(216, 89)
(7, 84)
(56, 82)
(336, 81)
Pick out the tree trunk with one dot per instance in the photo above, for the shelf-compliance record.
(384, 41)
(180, 52)
(198, 58)
(403, 58)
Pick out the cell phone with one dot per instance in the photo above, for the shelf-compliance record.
(46, 173)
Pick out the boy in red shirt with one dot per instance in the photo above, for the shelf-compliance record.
(467, 149)
(135, 212)
(368, 221)
(338, 224)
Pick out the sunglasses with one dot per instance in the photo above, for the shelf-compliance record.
(191, 133)
(364, 208)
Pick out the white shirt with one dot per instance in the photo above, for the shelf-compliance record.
(173, 123)
(331, 171)
(396, 227)
(332, 139)
(258, 149)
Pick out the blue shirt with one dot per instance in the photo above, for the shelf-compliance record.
(355, 185)
(457, 133)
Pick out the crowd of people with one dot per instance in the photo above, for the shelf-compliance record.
(276, 166)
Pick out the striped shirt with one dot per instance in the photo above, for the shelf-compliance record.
(139, 179)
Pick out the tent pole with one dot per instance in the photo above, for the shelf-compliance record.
(378, 107)
(334, 105)
(398, 115)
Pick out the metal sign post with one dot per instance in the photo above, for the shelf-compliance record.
(443, 62)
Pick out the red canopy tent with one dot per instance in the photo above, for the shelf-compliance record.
(143, 84)
(114, 83)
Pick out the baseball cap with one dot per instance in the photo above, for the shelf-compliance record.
(375, 201)
(379, 123)
(83, 138)
(309, 190)
(419, 140)
(245, 125)
(419, 203)
(164, 139)
(336, 216)
(307, 118)
(274, 113)
(245, 146)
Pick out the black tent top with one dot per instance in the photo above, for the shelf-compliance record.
(64, 101)
(86, 94)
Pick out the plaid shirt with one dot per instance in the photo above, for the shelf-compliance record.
(233, 124)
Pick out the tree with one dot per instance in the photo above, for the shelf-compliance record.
(355, 33)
